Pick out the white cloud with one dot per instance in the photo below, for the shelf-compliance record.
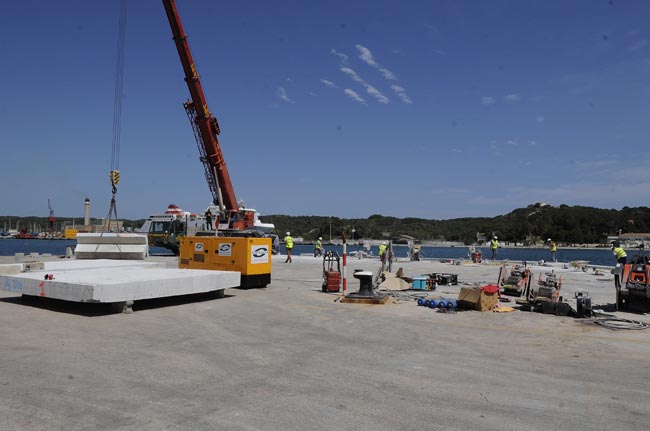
(341, 56)
(354, 96)
(282, 94)
(374, 92)
(532, 143)
(640, 44)
(512, 97)
(369, 88)
(366, 56)
(401, 93)
(512, 142)
(328, 83)
(487, 100)
(539, 119)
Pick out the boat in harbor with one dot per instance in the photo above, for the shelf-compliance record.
(165, 229)
(25, 235)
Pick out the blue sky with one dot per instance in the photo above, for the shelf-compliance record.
(432, 109)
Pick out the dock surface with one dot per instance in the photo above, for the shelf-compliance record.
(289, 357)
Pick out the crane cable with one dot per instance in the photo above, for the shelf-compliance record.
(114, 174)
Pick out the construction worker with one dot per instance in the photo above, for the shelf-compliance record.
(382, 251)
(208, 219)
(621, 255)
(552, 247)
(318, 247)
(494, 245)
(288, 244)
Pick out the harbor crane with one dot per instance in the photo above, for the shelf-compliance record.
(206, 129)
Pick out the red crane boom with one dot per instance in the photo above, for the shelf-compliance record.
(205, 126)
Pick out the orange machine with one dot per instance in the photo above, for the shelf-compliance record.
(250, 256)
(632, 283)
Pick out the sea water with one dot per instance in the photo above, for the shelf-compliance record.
(604, 256)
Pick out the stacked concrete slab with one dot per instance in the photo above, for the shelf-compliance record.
(111, 281)
(111, 246)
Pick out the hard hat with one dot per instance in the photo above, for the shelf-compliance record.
(495, 237)
(288, 233)
(320, 238)
(548, 239)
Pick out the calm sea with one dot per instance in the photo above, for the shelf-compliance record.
(595, 257)
(8, 247)
(55, 247)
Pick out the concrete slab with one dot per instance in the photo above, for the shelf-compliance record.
(115, 281)
(111, 246)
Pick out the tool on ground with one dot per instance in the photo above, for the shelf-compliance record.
(443, 279)
(331, 272)
(545, 297)
(515, 281)
(583, 305)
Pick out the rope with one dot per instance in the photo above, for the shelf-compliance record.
(119, 84)
(616, 323)
(114, 174)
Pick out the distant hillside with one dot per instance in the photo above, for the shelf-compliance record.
(565, 224)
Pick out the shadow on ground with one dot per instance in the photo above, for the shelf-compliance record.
(88, 309)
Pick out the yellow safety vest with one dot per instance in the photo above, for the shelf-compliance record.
(382, 249)
(553, 247)
(619, 252)
(288, 241)
(494, 244)
(319, 245)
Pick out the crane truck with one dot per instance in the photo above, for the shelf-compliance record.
(231, 218)
(232, 243)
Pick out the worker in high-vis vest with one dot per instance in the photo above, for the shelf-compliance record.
(621, 255)
(318, 247)
(552, 247)
(494, 245)
(382, 251)
(288, 244)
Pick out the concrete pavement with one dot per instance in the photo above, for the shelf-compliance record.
(289, 357)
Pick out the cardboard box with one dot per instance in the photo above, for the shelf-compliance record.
(474, 298)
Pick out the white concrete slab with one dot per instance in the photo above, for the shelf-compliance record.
(111, 246)
(115, 281)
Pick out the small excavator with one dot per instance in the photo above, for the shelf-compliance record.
(632, 282)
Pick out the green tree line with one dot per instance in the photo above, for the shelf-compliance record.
(564, 223)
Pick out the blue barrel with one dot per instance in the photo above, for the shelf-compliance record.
(420, 302)
(451, 304)
(433, 303)
(442, 303)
